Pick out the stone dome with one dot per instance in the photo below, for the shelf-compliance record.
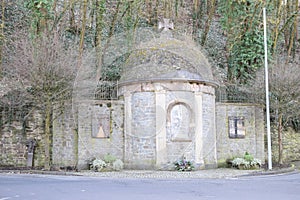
(166, 58)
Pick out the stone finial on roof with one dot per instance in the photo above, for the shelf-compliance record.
(166, 25)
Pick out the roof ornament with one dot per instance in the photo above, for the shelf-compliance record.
(166, 26)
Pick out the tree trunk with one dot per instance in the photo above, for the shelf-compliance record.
(208, 22)
(72, 14)
(197, 15)
(47, 139)
(83, 25)
(276, 30)
(100, 7)
(156, 8)
(2, 35)
(149, 13)
(293, 33)
(280, 146)
(112, 25)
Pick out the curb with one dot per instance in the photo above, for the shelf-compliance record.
(273, 172)
(66, 173)
(59, 173)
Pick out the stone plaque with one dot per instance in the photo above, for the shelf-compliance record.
(100, 125)
(236, 127)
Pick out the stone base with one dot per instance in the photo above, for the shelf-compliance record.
(29, 159)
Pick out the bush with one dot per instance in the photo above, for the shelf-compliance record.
(240, 163)
(109, 159)
(247, 162)
(255, 163)
(109, 163)
(98, 165)
(118, 165)
(248, 157)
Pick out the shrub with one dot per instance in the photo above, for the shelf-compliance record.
(118, 165)
(255, 163)
(248, 157)
(109, 159)
(109, 163)
(247, 162)
(98, 165)
(240, 163)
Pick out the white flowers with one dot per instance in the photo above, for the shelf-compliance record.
(248, 162)
(98, 165)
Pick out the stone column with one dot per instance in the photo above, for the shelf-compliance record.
(127, 127)
(161, 132)
(198, 130)
(29, 159)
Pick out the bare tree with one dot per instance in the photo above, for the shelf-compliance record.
(44, 70)
(284, 95)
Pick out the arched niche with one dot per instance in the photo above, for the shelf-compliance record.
(180, 120)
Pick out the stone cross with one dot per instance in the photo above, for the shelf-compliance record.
(166, 25)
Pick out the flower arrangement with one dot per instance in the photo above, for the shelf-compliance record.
(247, 162)
(109, 163)
(183, 165)
(98, 165)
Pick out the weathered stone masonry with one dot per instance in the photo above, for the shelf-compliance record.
(166, 110)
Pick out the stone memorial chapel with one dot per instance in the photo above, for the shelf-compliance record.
(165, 109)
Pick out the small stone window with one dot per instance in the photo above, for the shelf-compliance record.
(236, 127)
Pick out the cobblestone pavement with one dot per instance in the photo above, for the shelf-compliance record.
(208, 173)
(212, 173)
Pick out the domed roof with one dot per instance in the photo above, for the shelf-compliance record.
(166, 58)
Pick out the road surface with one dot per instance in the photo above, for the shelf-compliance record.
(50, 187)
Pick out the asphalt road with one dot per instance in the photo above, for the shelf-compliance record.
(49, 187)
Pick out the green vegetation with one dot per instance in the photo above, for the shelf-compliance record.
(108, 163)
(247, 162)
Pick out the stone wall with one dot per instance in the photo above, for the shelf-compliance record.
(91, 145)
(253, 142)
(140, 144)
(65, 139)
(13, 139)
(209, 130)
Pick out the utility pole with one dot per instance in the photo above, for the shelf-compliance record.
(267, 92)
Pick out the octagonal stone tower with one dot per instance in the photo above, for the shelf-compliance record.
(169, 104)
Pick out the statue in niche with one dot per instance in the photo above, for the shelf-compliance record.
(180, 123)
